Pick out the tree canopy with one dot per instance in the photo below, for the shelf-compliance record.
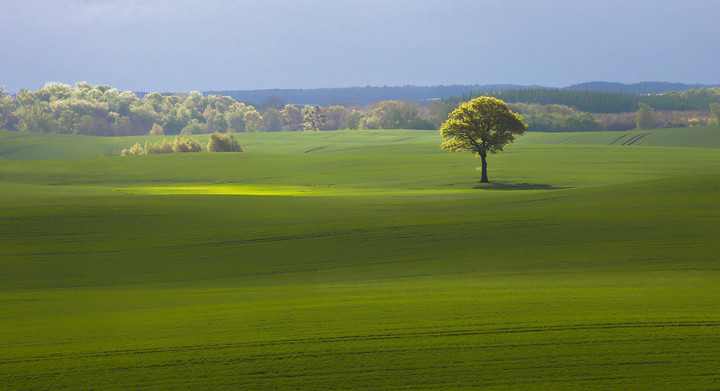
(104, 111)
(480, 126)
(645, 118)
(715, 110)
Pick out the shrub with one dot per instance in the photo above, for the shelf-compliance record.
(159, 147)
(223, 143)
(134, 150)
(178, 145)
(186, 145)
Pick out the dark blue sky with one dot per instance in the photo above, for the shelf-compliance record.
(183, 45)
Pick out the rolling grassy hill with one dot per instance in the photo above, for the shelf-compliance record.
(697, 137)
(363, 260)
(21, 146)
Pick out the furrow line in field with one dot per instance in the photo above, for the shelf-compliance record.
(316, 149)
(380, 370)
(617, 139)
(382, 232)
(284, 237)
(17, 149)
(374, 337)
(635, 139)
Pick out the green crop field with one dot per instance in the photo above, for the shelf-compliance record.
(361, 260)
(701, 137)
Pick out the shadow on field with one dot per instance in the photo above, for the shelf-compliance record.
(516, 186)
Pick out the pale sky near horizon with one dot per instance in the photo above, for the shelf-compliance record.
(185, 45)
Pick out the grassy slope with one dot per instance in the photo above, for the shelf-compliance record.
(17, 146)
(583, 267)
(702, 137)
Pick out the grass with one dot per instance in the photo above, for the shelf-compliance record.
(695, 137)
(18, 146)
(371, 263)
(33, 146)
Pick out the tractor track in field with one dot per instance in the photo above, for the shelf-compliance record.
(311, 150)
(624, 140)
(635, 139)
(378, 233)
(448, 333)
(16, 149)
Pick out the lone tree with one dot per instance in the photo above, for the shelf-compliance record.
(480, 126)
(714, 109)
(645, 117)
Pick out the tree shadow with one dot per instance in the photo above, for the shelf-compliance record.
(516, 186)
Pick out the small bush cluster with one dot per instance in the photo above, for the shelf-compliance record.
(159, 147)
(186, 145)
(179, 145)
(136, 149)
(223, 143)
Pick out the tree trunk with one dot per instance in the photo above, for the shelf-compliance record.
(484, 178)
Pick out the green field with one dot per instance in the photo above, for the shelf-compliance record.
(362, 260)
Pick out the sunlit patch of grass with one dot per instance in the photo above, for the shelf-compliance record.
(314, 191)
(254, 190)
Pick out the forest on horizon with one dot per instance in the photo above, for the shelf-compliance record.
(104, 111)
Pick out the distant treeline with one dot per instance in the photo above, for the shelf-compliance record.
(349, 96)
(646, 87)
(603, 102)
(422, 94)
(104, 111)
(556, 118)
